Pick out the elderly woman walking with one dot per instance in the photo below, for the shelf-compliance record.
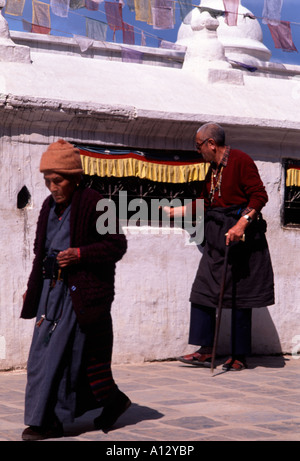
(70, 292)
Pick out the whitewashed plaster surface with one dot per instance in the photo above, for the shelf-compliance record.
(155, 89)
(92, 100)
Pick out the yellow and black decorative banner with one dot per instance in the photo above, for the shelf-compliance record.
(131, 164)
(293, 177)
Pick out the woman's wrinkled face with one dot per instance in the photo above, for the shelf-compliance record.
(61, 187)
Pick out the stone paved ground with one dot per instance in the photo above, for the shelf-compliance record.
(176, 402)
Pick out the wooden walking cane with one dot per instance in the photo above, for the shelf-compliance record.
(219, 309)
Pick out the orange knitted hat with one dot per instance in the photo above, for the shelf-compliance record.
(61, 157)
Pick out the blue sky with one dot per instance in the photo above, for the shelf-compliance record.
(75, 24)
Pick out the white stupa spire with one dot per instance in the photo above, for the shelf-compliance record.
(212, 43)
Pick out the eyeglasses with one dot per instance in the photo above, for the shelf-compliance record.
(198, 146)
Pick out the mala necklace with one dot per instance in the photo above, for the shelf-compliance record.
(214, 188)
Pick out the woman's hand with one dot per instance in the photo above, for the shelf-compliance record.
(67, 257)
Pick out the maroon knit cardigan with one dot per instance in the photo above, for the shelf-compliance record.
(91, 281)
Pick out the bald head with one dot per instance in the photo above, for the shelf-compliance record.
(213, 131)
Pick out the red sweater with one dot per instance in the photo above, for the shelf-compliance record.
(241, 184)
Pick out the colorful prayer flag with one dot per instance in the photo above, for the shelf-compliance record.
(128, 34)
(92, 5)
(163, 14)
(129, 55)
(27, 26)
(171, 46)
(95, 29)
(282, 36)
(162, 18)
(41, 23)
(185, 7)
(143, 38)
(114, 15)
(83, 42)
(14, 7)
(77, 4)
(143, 11)
(60, 7)
(130, 4)
(212, 11)
(245, 66)
(272, 12)
(231, 11)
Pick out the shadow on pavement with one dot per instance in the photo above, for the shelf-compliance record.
(135, 414)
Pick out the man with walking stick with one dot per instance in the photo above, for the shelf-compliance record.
(233, 196)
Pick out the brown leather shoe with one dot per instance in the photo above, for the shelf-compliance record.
(197, 359)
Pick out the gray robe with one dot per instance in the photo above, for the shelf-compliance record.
(56, 353)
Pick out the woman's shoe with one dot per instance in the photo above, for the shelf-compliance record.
(33, 433)
(112, 411)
